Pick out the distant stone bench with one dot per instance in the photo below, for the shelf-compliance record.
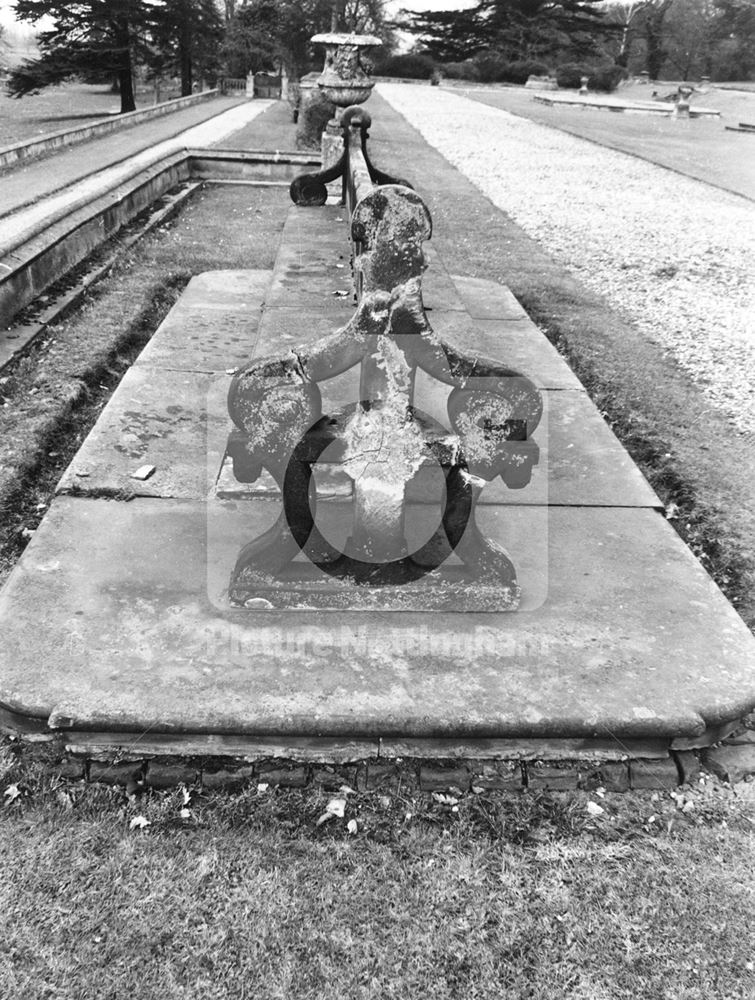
(617, 105)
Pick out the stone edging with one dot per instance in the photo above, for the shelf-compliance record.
(21, 151)
(732, 760)
(415, 774)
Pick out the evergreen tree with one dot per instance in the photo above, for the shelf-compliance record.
(735, 58)
(102, 40)
(516, 29)
(95, 39)
(186, 36)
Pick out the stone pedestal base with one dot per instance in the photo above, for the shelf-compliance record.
(331, 145)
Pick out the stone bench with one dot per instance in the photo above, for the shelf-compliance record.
(383, 443)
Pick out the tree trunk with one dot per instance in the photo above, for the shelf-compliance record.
(184, 44)
(128, 100)
(655, 52)
(622, 59)
(125, 77)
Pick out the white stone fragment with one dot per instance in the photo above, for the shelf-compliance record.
(143, 472)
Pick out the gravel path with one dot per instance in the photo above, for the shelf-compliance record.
(673, 254)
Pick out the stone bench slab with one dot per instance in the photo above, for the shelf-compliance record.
(213, 326)
(178, 422)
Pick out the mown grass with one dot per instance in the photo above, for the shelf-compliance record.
(490, 895)
(67, 105)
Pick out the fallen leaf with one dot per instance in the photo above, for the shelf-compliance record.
(64, 799)
(11, 793)
(334, 810)
(445, 800)
(262, 787)
(185, 814)
(139, 823)
(352, 826)
(594, 809)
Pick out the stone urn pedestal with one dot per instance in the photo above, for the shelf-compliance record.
(344, 81)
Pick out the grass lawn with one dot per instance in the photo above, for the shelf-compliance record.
(481, 896)
(64, 106)
(700, 148)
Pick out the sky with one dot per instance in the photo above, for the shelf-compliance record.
(6, 17)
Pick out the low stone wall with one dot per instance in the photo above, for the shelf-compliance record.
(732, 761)
(23, 151)
(59, 244)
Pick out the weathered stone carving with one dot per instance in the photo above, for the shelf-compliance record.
(310, 190)
(382, 443)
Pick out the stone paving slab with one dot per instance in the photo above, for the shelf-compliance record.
(623, 635)
(487, 299)
(213, 326)
(176, 421)
(517, 343)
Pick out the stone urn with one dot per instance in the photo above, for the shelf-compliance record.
(344, 81)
